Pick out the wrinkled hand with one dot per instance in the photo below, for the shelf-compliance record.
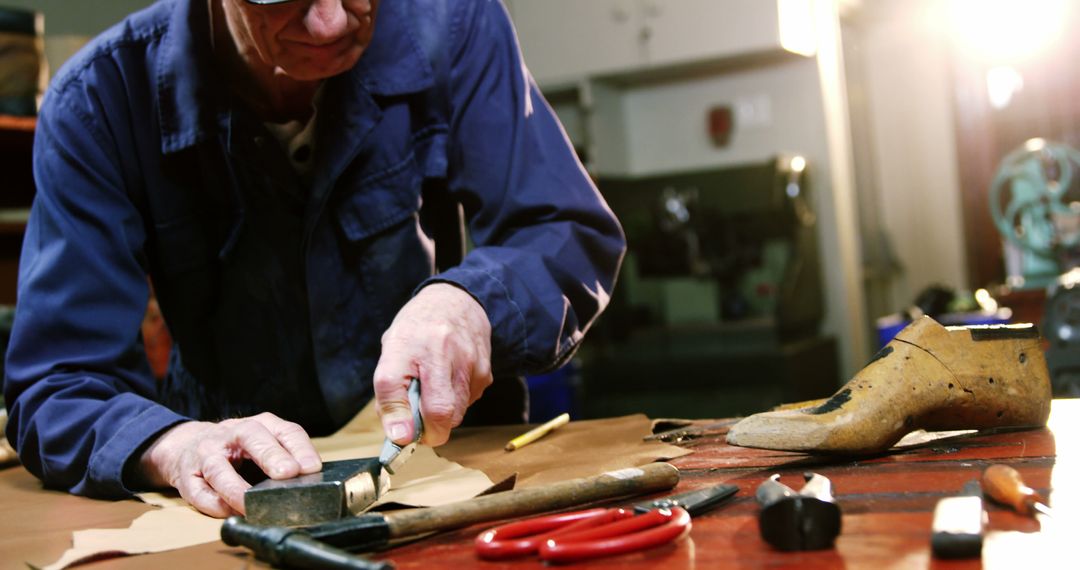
(441, 336)
(199, 459)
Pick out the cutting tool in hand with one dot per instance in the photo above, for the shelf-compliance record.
(393, 456)
(592, 533)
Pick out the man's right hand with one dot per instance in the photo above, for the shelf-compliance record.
(199, 459)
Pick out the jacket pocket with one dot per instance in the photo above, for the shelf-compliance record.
(379, 201)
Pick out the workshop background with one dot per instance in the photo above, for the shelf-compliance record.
(797, 179)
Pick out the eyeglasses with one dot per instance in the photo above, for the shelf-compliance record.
(266, 2)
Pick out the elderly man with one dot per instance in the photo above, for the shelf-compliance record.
(261, 164)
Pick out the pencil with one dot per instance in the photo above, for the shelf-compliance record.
(538, 432)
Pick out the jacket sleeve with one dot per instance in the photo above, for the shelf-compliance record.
(548, 248)
(77, 384)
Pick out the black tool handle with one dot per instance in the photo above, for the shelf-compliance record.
(293, 548)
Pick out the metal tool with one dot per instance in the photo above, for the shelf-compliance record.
(580, 535)
(374, 530)
(1004, 485)
(340, 489)
(959, 523)
(804, 520)
(393, 456)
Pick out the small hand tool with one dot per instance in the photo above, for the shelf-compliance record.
(374, 530)
(959, 523)
(804, 520)
(393, 456)
(580, 535)
(1004, 485)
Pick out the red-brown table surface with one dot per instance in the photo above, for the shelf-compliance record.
(887, 505)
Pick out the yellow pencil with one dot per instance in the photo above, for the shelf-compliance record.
(538, 432)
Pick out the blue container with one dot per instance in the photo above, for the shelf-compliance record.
(554, 393)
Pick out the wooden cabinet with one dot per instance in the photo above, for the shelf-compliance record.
(568, 40)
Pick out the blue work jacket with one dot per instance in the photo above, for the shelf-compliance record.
(276, 288)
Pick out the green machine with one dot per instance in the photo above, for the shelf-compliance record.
(1035, 202)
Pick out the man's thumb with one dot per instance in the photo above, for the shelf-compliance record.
(397, 421)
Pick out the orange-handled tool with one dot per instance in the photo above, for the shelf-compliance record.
(1004, 485)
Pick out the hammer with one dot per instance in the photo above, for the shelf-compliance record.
(319, 546)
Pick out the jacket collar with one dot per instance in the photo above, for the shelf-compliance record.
(191, 106)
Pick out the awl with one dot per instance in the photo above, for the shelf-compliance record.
(1004, 485)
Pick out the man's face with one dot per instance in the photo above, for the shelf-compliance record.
(306, 39)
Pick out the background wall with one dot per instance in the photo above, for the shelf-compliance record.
(904, 66)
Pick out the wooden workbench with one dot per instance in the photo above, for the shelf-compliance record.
(887, 503)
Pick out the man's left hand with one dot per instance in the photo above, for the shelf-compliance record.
(441, 336)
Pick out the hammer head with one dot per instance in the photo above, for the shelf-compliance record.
(342, 488)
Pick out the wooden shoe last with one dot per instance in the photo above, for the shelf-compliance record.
(929, 377)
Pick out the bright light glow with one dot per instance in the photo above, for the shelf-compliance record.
(797, 31)
(985, 301)
(1035, 144)
(1002, 82)
(798, 163)
(1008, 31)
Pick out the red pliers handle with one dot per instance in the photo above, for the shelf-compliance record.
(581, 535)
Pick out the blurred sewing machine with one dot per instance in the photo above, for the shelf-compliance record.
(1035, 204)
(720, 299)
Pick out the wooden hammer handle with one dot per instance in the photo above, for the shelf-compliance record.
(508, 504)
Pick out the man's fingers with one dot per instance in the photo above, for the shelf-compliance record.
(295, 441)
(220, 475)
(481, 378)
(196, 491)
(262, 447)
(442, 404)
(392, 400)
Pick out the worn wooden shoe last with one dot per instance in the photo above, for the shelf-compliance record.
(929, 377)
